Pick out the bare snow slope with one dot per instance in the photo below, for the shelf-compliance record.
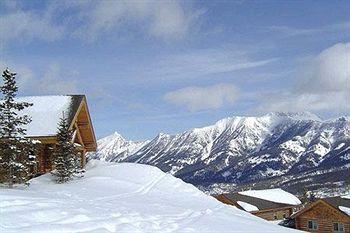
(121, 198)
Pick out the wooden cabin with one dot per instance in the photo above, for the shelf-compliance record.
(325, 215)
(265, 209)
(46, 113)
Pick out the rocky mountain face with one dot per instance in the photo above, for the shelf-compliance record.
(289, 150)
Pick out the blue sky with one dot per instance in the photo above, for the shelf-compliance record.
(167, 66)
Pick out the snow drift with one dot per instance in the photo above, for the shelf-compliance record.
(121, 198)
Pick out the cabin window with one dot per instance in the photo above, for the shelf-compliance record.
(338, 227)
(312, 225)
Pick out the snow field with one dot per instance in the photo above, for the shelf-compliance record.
(121, 198)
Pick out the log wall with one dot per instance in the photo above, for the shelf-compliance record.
(324, 216)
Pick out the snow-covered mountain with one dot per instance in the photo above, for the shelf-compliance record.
(272, 150)
(114, 148)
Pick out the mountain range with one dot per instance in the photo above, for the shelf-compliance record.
(293, 151)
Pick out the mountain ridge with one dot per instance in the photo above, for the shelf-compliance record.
(239, 151)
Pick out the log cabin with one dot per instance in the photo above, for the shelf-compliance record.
(46, 113)
(266, 209)
(325, 215)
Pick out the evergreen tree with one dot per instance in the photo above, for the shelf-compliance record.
(65, 156)
(16, 151)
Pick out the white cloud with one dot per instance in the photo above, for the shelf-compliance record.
(162, 19)
(171, 20)
(202, 62)
(329, 71)
(336, 102)
(26, 26)
(324, 85)
(57, 81)
(289, 31)
(90, 20)
(199, 98)
(54, 79)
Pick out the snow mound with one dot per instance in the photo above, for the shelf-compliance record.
(121, 198)
(275, 195)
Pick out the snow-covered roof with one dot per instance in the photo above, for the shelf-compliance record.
(345, 209)
(275, 195)
(250, 203)
(46, 112)
(247, 207)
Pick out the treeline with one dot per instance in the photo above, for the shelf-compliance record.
(18, 153)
